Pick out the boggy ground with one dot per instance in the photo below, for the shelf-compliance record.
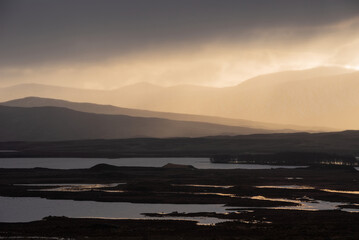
(186, 185)
(232, 187)
(321, 225)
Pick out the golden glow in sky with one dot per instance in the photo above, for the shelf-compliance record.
(170, 53)
(352, 67)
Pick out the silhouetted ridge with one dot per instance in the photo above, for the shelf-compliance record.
(104, 167)
(113, 110)
(54, 123)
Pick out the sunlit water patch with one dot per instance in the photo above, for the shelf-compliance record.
(287, 187)
(55, 187)
(207, 193)
(340, 191)
(204, 186)
(308, 188)
(307, 205)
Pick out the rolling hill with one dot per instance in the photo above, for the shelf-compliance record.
(54, 123)
(113, 110)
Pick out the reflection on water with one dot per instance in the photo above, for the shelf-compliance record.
(92, 185)
(207, 193)
(112, 191)
(310, 205)
(77, 163)
(204, 186)
(308, 187)
(73, 187)
(287, 187)
(274, 199)
(339, 191)
(217, 194)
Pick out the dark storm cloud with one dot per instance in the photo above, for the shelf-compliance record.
(44, 31)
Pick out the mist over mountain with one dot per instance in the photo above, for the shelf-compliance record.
(54, 123)
(113, 110)
(325, 97)
(292, 76)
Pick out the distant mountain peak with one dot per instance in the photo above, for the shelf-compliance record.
(294, 75)
(33, 85)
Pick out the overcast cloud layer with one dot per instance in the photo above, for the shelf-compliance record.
(106, 44)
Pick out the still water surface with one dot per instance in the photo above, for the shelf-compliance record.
(26, 209)
(76, 163)
(29, 209)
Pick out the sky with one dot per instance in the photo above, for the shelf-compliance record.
(107, 44)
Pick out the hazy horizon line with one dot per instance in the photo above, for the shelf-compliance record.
(348, 67)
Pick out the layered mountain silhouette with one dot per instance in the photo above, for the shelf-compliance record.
(54, 123)
(113, 110)
(325, 97)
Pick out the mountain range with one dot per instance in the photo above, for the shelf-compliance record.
(55, 123)
(114, 110)
(326, 97)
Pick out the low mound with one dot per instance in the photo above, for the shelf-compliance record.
(181, 166)
(104, 167)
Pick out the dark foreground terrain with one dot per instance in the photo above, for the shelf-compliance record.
(343, 143)
(323, 225)
(261, 204)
